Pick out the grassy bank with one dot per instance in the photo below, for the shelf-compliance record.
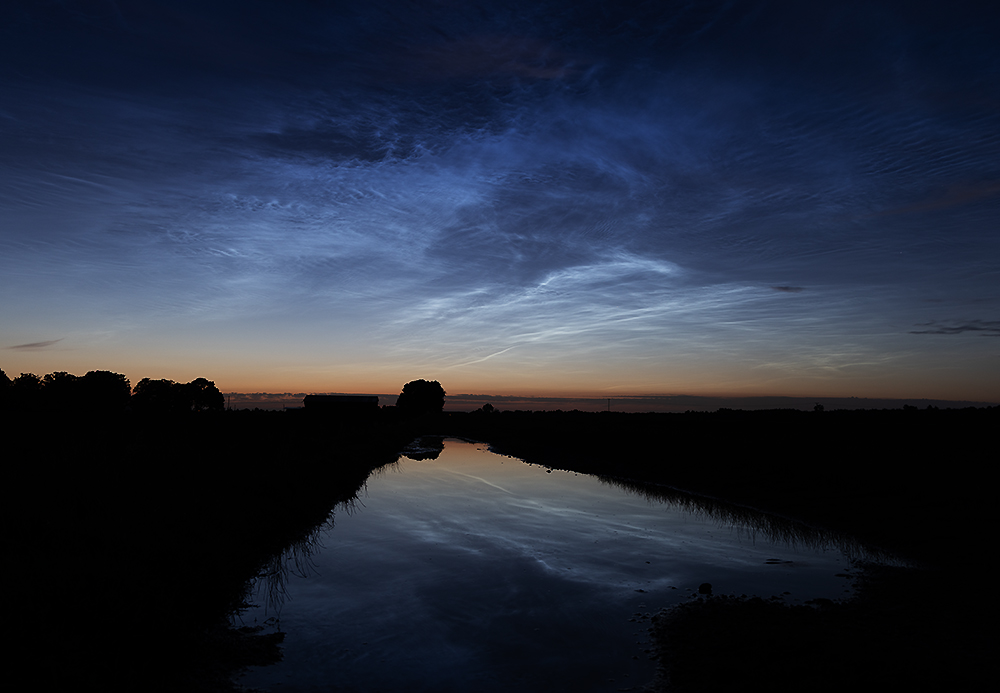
(909, 482)
(904, 630)
(133, 539)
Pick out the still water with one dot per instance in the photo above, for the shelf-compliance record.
(474, 571)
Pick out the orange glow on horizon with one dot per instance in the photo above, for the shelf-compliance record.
(238, 375)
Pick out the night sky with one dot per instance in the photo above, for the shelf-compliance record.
(561, 198)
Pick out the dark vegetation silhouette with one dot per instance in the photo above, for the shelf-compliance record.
(5, 389)
(168, 397)
(136, 536)
(105, 392)
(26, 390)
(60, 391)
(421, 397)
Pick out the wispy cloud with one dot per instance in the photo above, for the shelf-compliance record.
(33, 346)
(988, 328)
(608, 192)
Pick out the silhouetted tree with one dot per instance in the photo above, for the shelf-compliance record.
(4, 389)
(205, 396)
(421, 397)
(168, 397)
(159, 396)
(105, 391)
(61, 391)
(26, 391)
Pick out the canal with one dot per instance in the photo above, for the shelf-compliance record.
(467, 570)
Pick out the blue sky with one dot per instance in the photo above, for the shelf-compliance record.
(564, 198)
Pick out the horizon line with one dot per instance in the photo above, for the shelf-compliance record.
(625, 403)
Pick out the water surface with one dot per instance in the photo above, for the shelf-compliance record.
(474, 571)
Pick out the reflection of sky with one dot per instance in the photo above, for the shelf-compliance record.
(474, 568)
(728, 197)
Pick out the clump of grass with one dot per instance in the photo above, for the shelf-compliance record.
(750, 522)
(894, 635)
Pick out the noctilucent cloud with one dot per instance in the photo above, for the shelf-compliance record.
(784, 198)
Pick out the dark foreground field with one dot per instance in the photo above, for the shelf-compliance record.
(132, 540)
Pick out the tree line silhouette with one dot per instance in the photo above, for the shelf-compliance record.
(105, 391)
